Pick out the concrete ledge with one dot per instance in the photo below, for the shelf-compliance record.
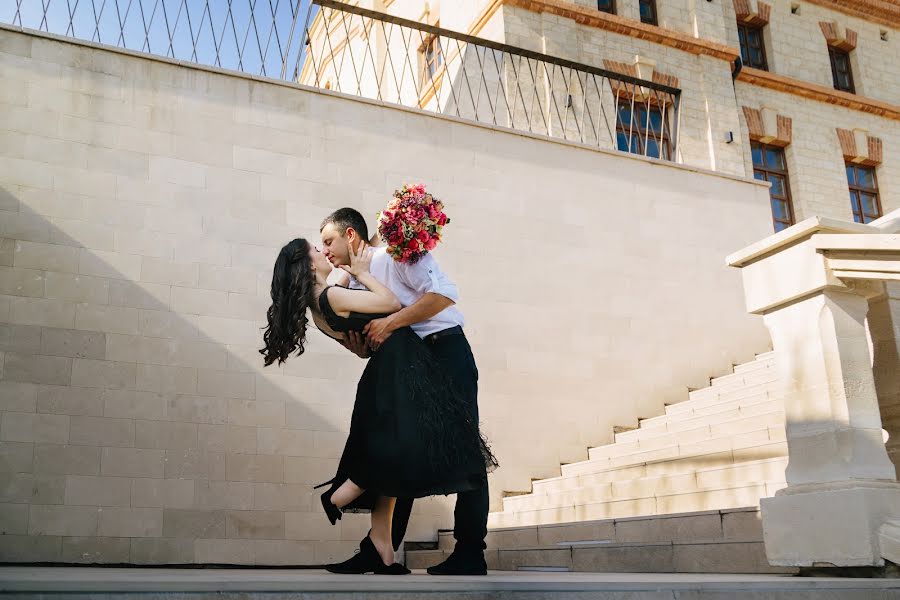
(113, 582)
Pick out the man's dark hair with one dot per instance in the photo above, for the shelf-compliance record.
(343, 218)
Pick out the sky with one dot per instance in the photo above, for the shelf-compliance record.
(250, 35)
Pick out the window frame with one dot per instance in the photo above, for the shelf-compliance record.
(833, 52)
(855, 188)
(430, 68)
(744, 29)
(612, 7)
(652, 4)
(665, 141)
(783, 173)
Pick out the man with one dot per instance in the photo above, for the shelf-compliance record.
(428, 298)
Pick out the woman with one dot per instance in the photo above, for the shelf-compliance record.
(411, 435)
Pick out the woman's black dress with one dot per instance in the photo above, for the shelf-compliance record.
(411, 435)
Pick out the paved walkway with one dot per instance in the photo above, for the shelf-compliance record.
(275, 583)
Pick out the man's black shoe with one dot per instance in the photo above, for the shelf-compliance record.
(367, 560)
(461, 564)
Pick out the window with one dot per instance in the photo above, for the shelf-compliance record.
(840, 69)
(608, 6)
(769, 165)
(753, 51)
(643, 129)
(863, 193)
(648, 11)
(432, 57)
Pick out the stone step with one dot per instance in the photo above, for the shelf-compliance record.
(691, 426)
(631, 489)
(620, 455)
(602, 469)
(712, 399)
(639, 484)
(737, 556)
(754, 404)
(61, 583)
(716, 525)
(765, 360)
(744, 378)
(707, 499)
(709, 396)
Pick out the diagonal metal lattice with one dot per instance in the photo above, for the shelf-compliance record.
(333, 45)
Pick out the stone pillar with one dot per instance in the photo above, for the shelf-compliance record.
(842, 486)
(841, 483)
(831, 409)
(884, 326)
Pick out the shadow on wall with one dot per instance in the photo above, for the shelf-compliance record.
(138, 424)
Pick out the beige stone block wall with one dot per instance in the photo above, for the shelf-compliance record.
(816, 171)
(136, 421)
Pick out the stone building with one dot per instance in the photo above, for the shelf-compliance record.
(630, 397)
(800, 94)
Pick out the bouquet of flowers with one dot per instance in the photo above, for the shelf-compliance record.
(412, 223)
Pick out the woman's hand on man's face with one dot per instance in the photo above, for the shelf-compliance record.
(359, 260)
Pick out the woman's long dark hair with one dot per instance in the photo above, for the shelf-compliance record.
(293, 283)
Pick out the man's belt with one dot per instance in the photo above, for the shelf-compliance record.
(455, 330)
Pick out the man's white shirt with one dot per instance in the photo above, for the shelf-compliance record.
(409, 282)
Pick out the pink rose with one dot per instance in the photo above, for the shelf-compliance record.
(430, 244)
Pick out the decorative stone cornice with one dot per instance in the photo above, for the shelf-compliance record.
(592, 17)
(745, 13)
(832, 33)
(859, 147)
(767, 127)
(814, 91)
(645, 69)
(885, 12)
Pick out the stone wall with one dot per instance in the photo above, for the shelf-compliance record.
(142, 204)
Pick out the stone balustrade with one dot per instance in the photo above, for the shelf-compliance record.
(828, 293)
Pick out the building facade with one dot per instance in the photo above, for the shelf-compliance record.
(803, 95)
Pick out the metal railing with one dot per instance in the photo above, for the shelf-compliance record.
(333, 45)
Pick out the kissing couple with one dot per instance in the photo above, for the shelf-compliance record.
(414, 430)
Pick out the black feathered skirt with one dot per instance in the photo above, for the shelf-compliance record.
(412, 433)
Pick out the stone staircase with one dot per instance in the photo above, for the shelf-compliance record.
(717, 541)
(684, 478)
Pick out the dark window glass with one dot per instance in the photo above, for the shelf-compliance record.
(769, 165)
(840, 70)
(648, 11)
(753, 52)
(642, 129)
(608, 6)
(432, 56)
(864, 200)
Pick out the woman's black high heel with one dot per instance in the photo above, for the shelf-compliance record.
(331, 511)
